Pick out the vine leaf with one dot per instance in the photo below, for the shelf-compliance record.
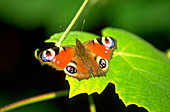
(140, 72)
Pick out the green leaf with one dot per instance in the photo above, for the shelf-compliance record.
(139, 71)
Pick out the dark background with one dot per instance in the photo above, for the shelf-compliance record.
(25, 24)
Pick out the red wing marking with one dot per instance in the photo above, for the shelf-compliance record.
(100, 50)
(63, 57)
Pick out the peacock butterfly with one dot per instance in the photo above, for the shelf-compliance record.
(83, 60)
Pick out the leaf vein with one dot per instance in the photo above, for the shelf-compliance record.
(141, 57)
(136, 69)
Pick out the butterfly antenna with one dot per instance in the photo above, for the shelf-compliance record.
(72, 22)
(82, 27)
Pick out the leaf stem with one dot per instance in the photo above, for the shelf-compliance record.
(34, 99)
(92, 104)
(72, 22)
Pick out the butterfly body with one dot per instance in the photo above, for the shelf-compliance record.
(83, 60)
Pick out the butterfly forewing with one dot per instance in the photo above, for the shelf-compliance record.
(57, 57)
(102, 46)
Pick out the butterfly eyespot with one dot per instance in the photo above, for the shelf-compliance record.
(48, 55)
(108, 41)
(71, 69)
(103, 63)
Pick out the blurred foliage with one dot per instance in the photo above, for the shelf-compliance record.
(143, 17)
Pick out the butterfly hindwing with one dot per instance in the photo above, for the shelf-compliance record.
(76, 68)
(85, 69)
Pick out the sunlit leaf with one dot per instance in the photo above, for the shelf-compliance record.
(139, 71)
